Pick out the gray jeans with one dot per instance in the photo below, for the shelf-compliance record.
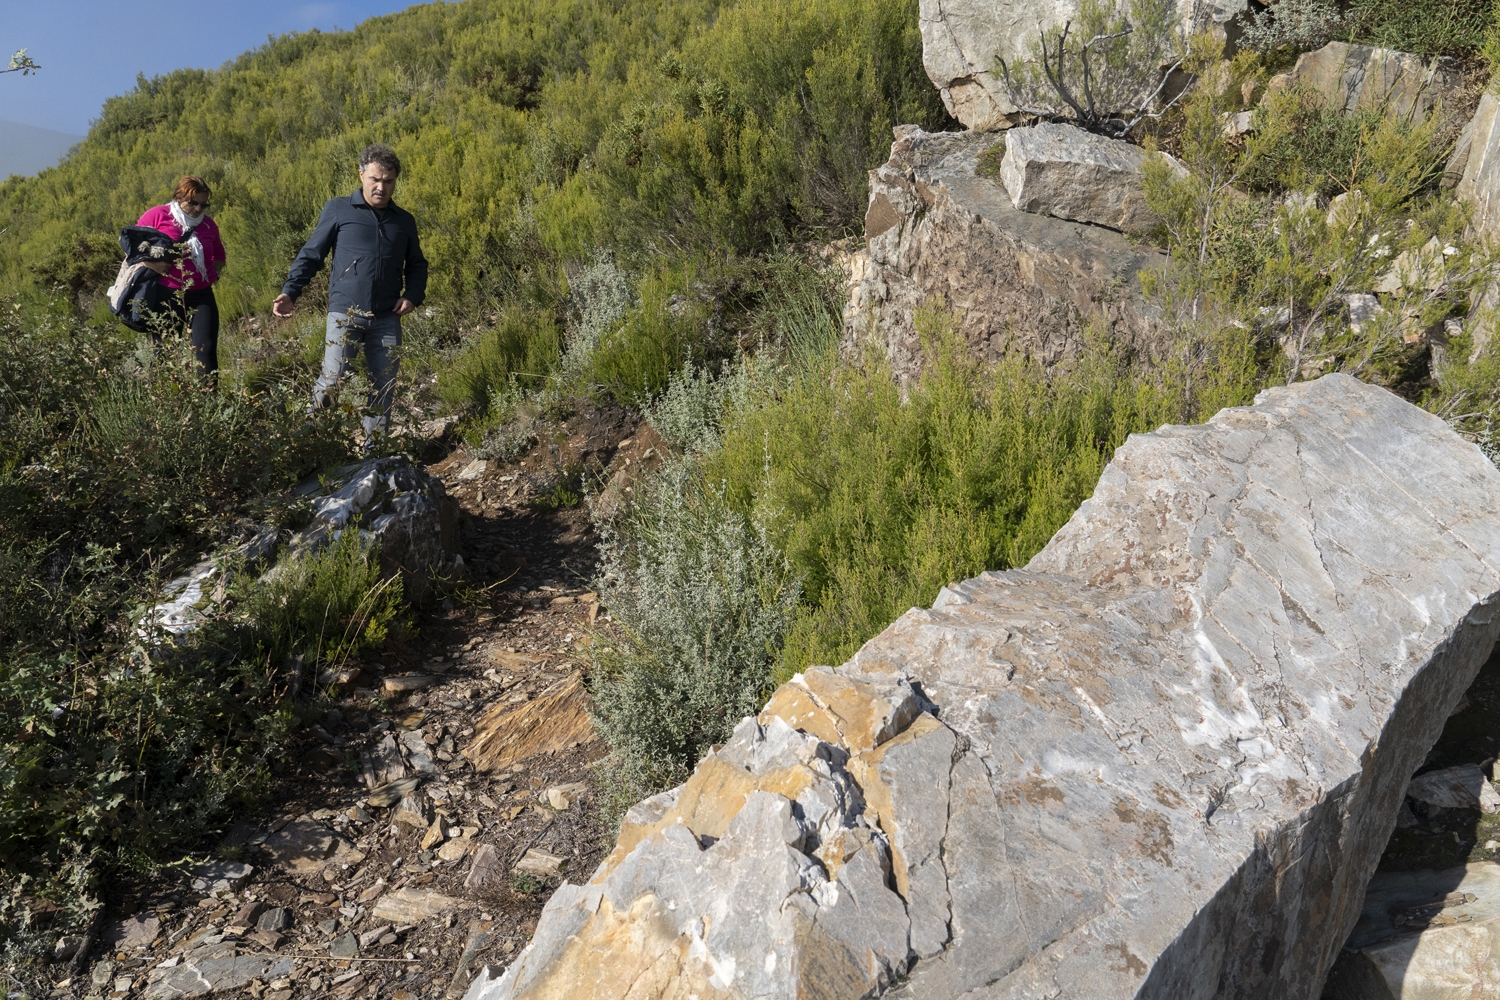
(381, 337)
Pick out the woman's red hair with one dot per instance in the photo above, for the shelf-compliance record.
(190, 186)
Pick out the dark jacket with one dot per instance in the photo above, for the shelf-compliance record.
(375, 254)
(138, 296)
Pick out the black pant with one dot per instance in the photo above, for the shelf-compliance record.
(198, 308)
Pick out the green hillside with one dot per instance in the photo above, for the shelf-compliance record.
(532, 132)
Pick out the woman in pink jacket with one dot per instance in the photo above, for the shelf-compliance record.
(185, 219)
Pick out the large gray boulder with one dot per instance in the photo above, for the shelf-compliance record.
(961, 38)
(1061, 170)
(400, 508)
(1160, 761)
(941, 228)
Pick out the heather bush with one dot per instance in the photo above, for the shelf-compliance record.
(701, 597)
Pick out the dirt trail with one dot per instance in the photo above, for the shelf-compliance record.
(382, 897)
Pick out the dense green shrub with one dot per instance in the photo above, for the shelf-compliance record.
(636, 357)
(878, 503)
(1427, 27)
(816, 506)
(1296, 24)
(119, 464)
(1283, 262)
(319, 610)
(127, 748)
(521, 347)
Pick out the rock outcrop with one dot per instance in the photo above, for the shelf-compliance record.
(961, 38)
(941, 228)
(1160, 761)
(1363, 76)
(187, 597)
(403, 510)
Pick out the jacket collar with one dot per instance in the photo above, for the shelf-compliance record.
(358, 199)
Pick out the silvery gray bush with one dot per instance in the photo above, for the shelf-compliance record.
(702, 598)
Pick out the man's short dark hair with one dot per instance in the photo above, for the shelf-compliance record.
(384, 156)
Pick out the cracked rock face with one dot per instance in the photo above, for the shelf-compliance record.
(1480, 183)
(1160, 761)
(961, 38)
(941, 228)
(1363, 76)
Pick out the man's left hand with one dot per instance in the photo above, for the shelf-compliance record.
(404, 306)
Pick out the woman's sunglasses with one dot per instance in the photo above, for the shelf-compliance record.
(197, 204)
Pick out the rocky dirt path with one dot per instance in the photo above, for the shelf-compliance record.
(441, 796)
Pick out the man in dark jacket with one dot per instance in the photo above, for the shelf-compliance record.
(378, 276)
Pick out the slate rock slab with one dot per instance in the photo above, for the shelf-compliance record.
(134, 932)
(221, 876)
(214, 969)
(1461, 787)
(412, 906)
(1446, 950)
(1367, 77)
(302, 846)
(277, 918)
(1160, 761)
(345, 946)
(1480, 182)
(1060, 170)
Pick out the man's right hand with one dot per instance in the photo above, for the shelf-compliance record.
(282, 307)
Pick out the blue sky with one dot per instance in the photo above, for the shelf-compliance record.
(92, 49)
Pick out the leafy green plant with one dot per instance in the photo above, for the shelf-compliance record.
(526, 883)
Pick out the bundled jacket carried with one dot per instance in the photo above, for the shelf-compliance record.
(377, 258)
(138, 295)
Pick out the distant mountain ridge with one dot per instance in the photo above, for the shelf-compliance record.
(26, 149)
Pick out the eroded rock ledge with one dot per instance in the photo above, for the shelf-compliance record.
(1160, 761)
